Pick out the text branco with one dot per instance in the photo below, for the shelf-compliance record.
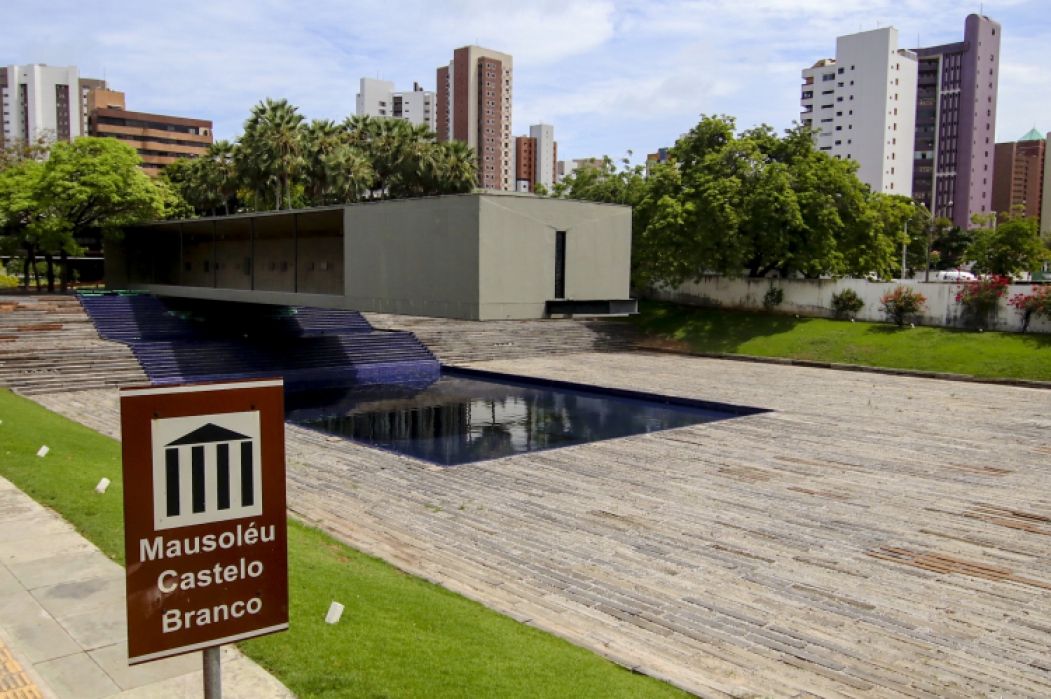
(174, 579)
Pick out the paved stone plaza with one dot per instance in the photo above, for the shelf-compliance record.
(876, 536)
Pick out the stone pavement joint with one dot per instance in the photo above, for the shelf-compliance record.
(62, 614)
(712, 555)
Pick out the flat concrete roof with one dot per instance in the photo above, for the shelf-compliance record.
(374, 202)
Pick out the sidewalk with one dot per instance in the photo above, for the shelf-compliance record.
(63, 626)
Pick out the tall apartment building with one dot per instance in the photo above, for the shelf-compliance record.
(956, 123)
(378, 98)
(475, 106)
(862, 106)
(1045, 219)
(1018, 175)
(536, 158)
(159, 139)
(41, 100)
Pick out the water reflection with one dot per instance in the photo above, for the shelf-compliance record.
(458, 420)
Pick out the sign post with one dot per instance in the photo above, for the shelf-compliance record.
(204, 518)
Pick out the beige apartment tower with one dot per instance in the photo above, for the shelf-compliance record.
(475, 106)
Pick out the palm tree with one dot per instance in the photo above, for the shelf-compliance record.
(456, 171)
(222, 171)
(272, 148)
(350, 173)
(321, 139)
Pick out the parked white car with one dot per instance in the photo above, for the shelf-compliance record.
(954, 275)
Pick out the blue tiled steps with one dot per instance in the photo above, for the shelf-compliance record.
(308, 347)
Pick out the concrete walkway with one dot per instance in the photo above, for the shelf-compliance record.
(63, 627)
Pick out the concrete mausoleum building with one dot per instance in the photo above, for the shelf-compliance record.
(862, 106)
(474, 256)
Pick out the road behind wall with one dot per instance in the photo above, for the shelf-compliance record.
(813, 297)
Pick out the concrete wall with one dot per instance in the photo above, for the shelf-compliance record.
(413, 257)
(517, 249)
(814, 298)
(476, 257)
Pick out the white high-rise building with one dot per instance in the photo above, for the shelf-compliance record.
(862, 106)
(546, 154)
(44, 101)
(378, 98)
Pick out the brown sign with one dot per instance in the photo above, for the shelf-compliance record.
(205, 538)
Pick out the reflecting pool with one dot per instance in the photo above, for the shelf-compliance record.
(468, 416)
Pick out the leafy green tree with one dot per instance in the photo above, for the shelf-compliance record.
(1009, 248)
(604, 181)
(92, 184)
(950, 243)
(754, 203)
(21, 215)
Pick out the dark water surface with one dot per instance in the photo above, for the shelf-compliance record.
(463, 418)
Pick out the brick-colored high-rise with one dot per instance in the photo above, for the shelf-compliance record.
(475, 106)
(1018, 178)
(536, 159)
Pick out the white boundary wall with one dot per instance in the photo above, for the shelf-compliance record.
(813, 297)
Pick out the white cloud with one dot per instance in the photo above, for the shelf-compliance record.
(611, 75)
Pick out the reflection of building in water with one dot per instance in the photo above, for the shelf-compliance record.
(457, 420)
(486, 428)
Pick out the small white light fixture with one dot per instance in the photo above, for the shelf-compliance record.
(335, 611)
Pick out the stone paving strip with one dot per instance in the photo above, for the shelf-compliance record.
(62, 613)
(876, 536)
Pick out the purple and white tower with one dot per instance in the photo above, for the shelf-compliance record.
(956, 123)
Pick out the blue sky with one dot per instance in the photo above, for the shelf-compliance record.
(611, 75)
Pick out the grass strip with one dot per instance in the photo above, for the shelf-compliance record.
(993, 355)
(400, 636)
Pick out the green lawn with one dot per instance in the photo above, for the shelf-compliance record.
(985, 355)
(400, 636)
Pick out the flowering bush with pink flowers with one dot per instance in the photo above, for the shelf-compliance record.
(1036, 304)
(901, 303)
(981, 298)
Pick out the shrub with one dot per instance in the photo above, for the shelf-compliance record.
(981, 298)
(1036, 304)
(774, 297)
(846, 303)
(8, 282)
(902, 303)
